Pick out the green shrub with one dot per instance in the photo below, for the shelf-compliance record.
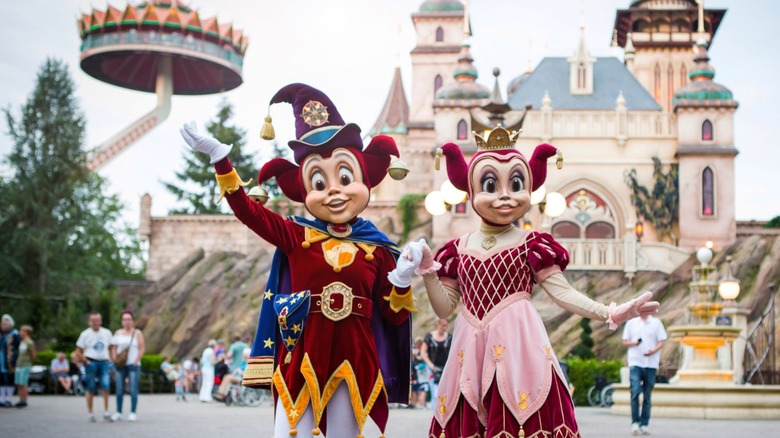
(44, 357)
(583, 372)
(151, 362)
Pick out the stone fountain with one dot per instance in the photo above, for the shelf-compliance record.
(708, 383)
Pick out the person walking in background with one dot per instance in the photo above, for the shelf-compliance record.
(9, 353)
(93, 345)
(59, 370)
(235, 351)
(23, 365)
(644, 336)
(207, 361)
(192, 375)
(434, 351)
(179, 384)
(130, 340)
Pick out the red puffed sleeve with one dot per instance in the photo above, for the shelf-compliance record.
(546, 256)
(449, 258)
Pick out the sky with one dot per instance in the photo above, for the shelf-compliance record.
(349, 49)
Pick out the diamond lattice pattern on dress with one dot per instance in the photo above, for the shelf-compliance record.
(487, 280)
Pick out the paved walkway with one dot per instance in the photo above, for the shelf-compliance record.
(162, 416)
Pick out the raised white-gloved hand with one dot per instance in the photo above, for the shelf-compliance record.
(639, 306)
(409, 260)
(204, 143)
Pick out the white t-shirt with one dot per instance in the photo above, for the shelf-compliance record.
(651, 331)
(122, 342)
(95, 343)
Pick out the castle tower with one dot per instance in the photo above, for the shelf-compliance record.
(440, 26)
(662, 32)
(705, 118)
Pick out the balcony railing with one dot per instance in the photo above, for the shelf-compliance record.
(595, 254)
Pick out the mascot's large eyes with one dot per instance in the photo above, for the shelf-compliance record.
(489, 184)
(516, 182)
(345, 176)
(317, 181)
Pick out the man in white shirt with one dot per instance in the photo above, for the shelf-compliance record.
(93, 345)
(644, 336)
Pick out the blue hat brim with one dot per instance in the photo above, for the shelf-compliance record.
(347, 136)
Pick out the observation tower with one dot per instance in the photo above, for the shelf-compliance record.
(160, 47)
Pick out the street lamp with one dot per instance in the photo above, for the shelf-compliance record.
(434, 203)
(639, 230)
(729, 289)
(451, 194)
(554, 204)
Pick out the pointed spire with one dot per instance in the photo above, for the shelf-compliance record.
(620, 102)
(630, 53)
(529, 68)
(465, 71)
(546, 101)
(466, 19)
(703, 70)
(394, 117)
(581, 63)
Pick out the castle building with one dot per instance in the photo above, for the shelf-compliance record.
(607, 116)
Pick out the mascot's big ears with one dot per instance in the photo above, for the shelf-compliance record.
(287, 177)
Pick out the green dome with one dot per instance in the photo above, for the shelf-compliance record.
(463, 90)
(703, 91)
(441, 6)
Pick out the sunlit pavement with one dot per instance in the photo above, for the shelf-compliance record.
(163, 416)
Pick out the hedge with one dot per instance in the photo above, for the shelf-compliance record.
(583, 373)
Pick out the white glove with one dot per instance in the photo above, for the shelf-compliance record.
(639, 306)
(204, 143)
(409, 260)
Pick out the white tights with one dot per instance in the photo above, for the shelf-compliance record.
(341, 418)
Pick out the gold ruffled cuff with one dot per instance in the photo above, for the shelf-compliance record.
(229, 183)
(401, 302)
(259, 371)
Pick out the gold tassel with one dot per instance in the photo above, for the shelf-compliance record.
(267, 131)
(559, 160)
(521, 432)
(437, 159)
(315, 431)
(293, 432)
(441, 435)
(287, 358)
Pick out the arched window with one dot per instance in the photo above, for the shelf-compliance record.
(657, 83)
(581, 78)
(707, 192)
(683, 75)
(437, 82)
(680, 25)
(706, 130)
(640, 26)
(661, 25)
(669, 86)
(600, 230)
(463, 132)
(566, 230)
(439, 34)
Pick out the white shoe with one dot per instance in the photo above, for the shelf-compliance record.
(107, 417)
(132, 417)
(644, 430)
(635, 429)
(116, 417)
(91, 419)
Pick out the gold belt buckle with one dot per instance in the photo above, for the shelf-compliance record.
(336, 288)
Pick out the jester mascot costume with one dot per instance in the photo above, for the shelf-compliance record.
(333, 339)
(502, 378)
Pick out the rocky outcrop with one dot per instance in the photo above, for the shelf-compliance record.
(219, 295)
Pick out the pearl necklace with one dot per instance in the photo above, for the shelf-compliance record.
(489, 235)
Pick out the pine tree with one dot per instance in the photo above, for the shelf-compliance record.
(198, 172)
(61, 237)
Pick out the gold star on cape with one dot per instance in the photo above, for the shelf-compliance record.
(296, 328)
(268, 343)
(289, 341)
(267, 295)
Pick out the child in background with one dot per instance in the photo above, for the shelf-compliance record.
(179, 383)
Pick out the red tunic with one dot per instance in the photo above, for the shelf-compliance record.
(328, 352)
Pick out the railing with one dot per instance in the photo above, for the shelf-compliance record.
(174, 40)
(600, 124)
(595, 254)
(760, 350)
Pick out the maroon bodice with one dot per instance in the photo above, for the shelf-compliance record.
(487, 278)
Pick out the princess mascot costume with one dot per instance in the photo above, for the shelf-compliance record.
(502, 378)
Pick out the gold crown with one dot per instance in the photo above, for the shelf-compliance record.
(498, 138)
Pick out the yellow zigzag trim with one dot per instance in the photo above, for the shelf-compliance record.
(346, 373)
(293, 410)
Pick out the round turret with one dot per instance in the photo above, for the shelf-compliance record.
(441, 6)
(465, 85)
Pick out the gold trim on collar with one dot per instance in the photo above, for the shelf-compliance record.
(312, 235)
(369, 249)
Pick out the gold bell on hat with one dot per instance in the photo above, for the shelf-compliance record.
(398, 170)
(258, 194)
